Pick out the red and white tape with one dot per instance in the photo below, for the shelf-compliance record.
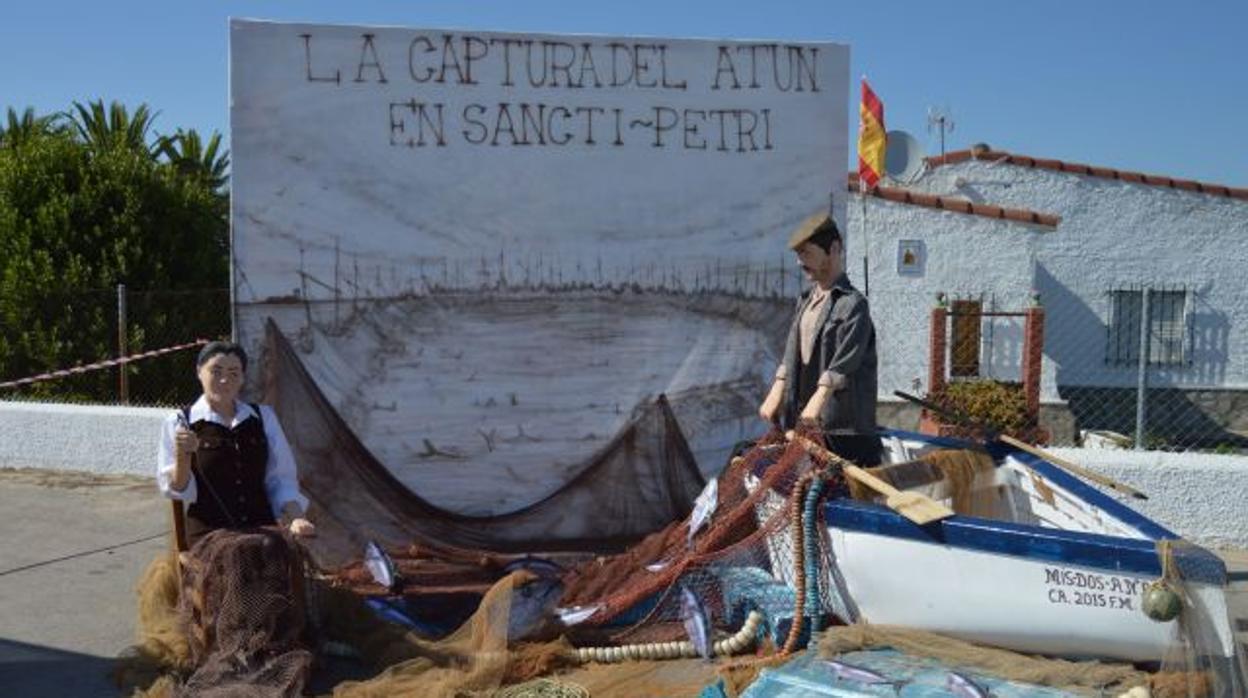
(100, 364)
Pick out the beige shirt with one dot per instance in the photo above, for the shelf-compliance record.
(807, 326)
(807, 330)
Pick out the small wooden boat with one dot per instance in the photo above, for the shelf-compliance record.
(1048, 564)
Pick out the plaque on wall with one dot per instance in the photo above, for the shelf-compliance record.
(911, 257)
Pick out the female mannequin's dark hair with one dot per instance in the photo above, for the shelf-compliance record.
(212, 349)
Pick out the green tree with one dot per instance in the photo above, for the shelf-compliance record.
(102, 129)
(193, 158)
(19, 129)
(85, 208)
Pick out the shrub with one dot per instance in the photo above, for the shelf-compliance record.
(1001, 406)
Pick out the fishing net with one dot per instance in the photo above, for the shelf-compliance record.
(744, 558)
(627, 547)
(644, 478)
(736, 564)
(753, 563)
(501, 643)
(242, 604)
(163, 644)
(227, 618)
(1203, 660)
(481, 655)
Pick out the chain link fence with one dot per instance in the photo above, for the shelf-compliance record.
(1146, 366)
(84, 328)
(1143, 367)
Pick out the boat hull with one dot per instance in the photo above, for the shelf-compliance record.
(1065, 578)
(1028, 604)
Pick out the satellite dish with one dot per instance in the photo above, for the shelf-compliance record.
(903, 159)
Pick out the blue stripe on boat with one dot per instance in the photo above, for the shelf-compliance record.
(1111, 553)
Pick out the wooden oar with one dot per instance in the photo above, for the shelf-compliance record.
(1023, 446)
(914, 506)
(1076, 469)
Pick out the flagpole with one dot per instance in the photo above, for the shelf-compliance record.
(866, 278)
(872, 140)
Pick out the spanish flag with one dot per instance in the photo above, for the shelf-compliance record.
(872, 139)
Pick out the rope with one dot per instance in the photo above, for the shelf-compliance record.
(1165, 551)
(796, 502)
(799, 502)
(740, 641)
(544, 688)
(810, 529)
(99, 365)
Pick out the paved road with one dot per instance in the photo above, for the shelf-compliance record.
(61, 624)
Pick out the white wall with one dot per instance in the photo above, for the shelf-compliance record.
(1199, 496)
(91, 438)
(967, 255)
(1115, 234)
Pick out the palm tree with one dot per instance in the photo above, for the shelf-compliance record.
(187, 152)
(114, 127)
(21, 129)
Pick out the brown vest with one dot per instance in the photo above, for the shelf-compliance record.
(229, 469)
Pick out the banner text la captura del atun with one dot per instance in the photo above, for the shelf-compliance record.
(564, 68)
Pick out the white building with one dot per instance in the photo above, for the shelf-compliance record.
(991, 227)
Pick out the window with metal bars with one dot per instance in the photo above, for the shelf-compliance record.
(1169, 327)
(965, 350)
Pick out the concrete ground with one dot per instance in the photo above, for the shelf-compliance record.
(73, 548)
(63, 623)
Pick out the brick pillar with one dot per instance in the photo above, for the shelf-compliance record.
(937, 350)
(1033, 354)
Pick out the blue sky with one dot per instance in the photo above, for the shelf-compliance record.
(1160, 87)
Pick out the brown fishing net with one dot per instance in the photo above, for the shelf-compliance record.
(633, 597)
(643, 479)
(242, 604)
(163, 645)
(483, 654)
(478, 658)
(227, 618)
(1203, 660)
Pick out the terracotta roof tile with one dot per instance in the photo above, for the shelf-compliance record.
(957, 205)
(1089, 170)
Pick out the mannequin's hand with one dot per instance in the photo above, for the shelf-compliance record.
(814, 407)
(303, 528)
(769, 411)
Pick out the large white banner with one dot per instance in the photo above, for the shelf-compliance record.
(494, 247)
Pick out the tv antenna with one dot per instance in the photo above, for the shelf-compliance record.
(940, 119)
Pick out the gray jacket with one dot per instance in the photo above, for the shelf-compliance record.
(845, 352)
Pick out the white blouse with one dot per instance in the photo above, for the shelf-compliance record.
(281, 481)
